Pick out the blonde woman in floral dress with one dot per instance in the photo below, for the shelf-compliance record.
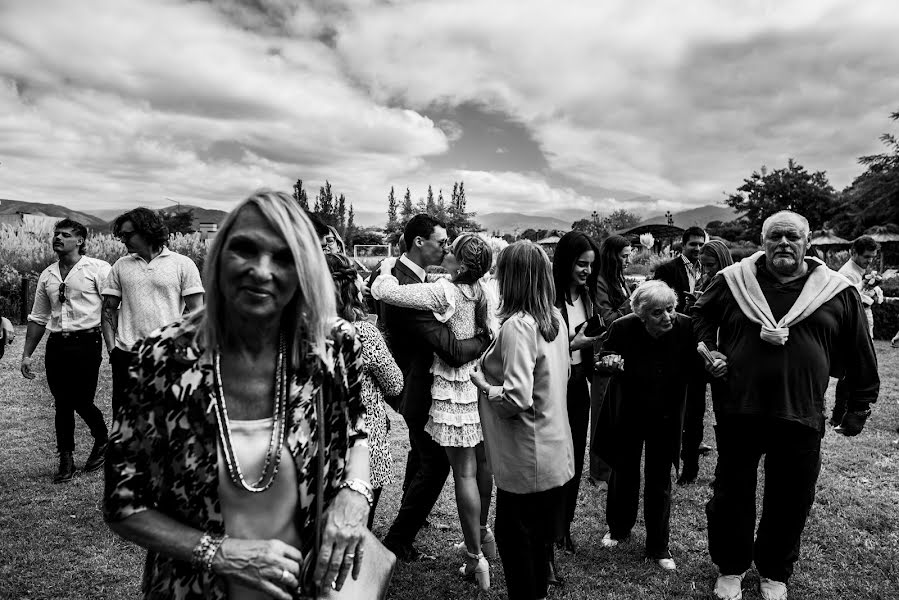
(453, 420)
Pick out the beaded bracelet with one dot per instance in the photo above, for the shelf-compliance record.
(360, 487)
(204, 552)
(217, 542)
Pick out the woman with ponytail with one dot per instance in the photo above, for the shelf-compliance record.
(381, 377)
(453, 420)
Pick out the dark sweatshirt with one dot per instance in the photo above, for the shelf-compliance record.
(788, 382)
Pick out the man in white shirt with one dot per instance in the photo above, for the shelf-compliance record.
(146, 289)
(67, 301)
(861, 255)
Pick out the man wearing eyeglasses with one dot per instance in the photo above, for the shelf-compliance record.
(67, 302)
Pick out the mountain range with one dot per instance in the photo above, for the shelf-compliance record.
(504, 222)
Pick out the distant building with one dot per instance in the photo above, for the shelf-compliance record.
(206, 230)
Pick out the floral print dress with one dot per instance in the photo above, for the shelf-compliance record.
(453, 419)
(381, 377)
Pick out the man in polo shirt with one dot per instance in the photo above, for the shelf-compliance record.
(67, 302)
(682, 274)
(146, 289)
(778, 324)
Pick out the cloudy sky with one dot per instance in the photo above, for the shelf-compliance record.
(536, 105)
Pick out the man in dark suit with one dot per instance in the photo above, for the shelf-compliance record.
(414, 336)
(682, 274)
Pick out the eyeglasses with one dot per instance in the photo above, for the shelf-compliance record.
(62, 293)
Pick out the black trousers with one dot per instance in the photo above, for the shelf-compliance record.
(120, 361)
(524, 527)
(792, 463)
(694, 417)
(623, 498)
(579, 421)
(73, 364)
(424, 486)
(599, 470)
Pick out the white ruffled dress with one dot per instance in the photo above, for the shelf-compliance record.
(453, 420)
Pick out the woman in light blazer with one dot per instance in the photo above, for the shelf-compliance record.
(522, 381)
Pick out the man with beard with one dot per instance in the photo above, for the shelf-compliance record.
(67, 302)
(414, 336)
(778, 325)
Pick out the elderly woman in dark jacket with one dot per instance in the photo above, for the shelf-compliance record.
(649, 354)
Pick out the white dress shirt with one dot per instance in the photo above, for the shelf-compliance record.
(83, 303)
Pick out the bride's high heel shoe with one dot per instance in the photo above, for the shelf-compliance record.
(488, 544)
(476, 566)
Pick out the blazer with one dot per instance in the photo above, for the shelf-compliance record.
(674, 273)
(649, 396)
(414, 336)
(526, 433)
(607, 309)
(586, 353)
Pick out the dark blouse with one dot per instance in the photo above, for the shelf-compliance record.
(788, 382)
(163, 448)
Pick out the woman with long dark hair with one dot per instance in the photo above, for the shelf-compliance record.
(381, 376)
(573, 278)
(612, 303)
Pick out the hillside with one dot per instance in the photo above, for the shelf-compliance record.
(11, 207)
(510, 222)
(700, 216)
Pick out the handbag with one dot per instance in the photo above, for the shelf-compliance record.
(378, 562)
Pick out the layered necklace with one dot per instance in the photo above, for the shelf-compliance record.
(276, 443)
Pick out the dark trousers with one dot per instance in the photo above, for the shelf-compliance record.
(599, 470)
(424, 486)
(623, 498)
(841, 400)
(578, 420)
(523, 531)
(792, 463)
(120, 361)
(694, 417)
(73, 364)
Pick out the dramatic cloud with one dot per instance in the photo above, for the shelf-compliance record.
(106, 103)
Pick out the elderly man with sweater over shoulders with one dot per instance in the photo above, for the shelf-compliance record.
(778, 324)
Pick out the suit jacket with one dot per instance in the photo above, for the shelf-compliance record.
(610, 310)
(414, 336)
(649, 396)
(674, 273)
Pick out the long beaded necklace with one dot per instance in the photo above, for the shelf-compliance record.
(276, 443)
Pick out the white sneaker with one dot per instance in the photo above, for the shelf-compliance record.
(607, 541)
(729, 587)
(668, 564)
(772, 590)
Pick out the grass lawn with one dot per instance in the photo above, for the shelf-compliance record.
(54, 544)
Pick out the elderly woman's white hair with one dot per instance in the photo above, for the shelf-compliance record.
(651, 294)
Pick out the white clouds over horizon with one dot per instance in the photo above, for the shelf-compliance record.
(104, 102)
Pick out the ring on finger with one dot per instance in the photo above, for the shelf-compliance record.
(285, 575)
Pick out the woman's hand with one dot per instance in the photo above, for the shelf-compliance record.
(387, 266)
(610, 362)
(270, 566)
(718, 366)
(580, 340)
(345, 522)
(478, 379)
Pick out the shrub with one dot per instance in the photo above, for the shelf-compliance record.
(890, 287)
(886, 320)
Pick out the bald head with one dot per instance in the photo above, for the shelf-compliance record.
(785, 216)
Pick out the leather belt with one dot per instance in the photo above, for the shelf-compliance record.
(74, 334)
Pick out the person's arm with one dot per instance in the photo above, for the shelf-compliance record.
(381, 364)
(518, 347)
(434, 296)
(109, 320)
(37, 324)
(706, 317)
(862, 379)
(191, 285)
(7, 332)
(444, 343)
